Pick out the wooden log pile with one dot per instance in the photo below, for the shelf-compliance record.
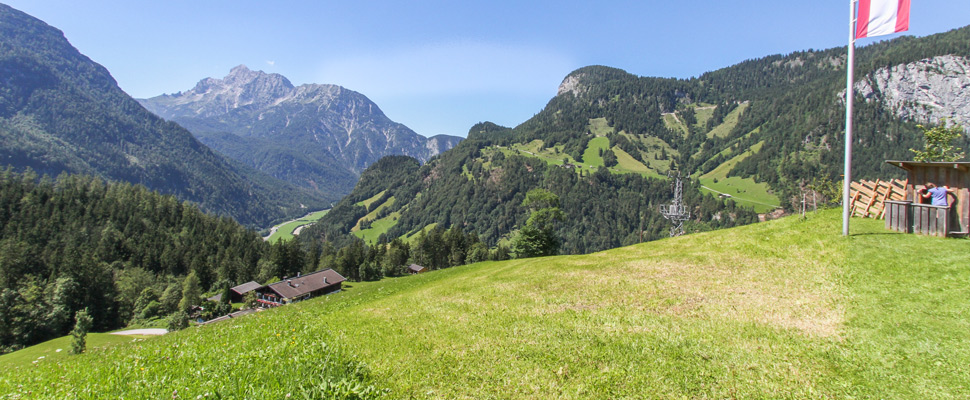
(868, 198)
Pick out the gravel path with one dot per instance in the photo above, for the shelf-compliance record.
(152, 331)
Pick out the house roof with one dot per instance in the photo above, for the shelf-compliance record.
(909, 165)
(298, 286)
(246, 287)
(416, 268)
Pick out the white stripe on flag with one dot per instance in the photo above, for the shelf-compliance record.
(882, 17)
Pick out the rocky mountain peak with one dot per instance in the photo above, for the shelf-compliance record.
(571, 84)
(242, 87)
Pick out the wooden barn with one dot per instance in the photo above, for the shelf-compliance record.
(300, 287)
(415, 269)
(237, 293)
(916, 215)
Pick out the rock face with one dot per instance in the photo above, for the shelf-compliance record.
(316, 136)
(927, 90)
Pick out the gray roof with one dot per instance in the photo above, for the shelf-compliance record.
(246, 287)
(298, 286)
(415, 267)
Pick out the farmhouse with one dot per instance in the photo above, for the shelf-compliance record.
(416, 269)
(298, 288)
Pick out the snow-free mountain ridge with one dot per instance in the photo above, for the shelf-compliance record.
(315, 135)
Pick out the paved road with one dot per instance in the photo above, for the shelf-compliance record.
(152, 331)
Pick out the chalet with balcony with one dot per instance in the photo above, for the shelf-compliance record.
(299, 288)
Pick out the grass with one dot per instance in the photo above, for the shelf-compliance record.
(672, 122)
(627, 164)
(702, 113)
(599, 127)
(744, 191)
(783, 309)
(285, 231)
(378, 227)
(59, 349)
(373, 214)
(366, 203)
(591, 157)
(730, 121)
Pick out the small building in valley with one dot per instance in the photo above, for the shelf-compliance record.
(298, 288)
(416, 269)
(237, 293)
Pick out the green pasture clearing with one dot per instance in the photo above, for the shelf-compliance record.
(730, 121)
(653, 155)
(674, 123)
(703, 113)
(784, 309)
(599, 127)
(373, 214)
(285, 231)
(722, 170)
(591, 156)
(366, 203)
(744, 191)
(627, 164)
(378, 228)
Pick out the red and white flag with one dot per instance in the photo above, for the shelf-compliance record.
(881, 17)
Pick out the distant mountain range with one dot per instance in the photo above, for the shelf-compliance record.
(61, 112)
(315, 136)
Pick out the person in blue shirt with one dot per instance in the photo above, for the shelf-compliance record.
(937, 195)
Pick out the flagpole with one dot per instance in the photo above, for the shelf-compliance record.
(849, 97)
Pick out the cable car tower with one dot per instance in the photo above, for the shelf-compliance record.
(676, 212)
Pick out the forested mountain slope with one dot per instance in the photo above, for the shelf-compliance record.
(119, 250)
(315, 136)
(62, 112)
(764, 130)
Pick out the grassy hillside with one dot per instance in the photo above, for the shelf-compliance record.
(285, 231)
(786, 309)
(744, 191)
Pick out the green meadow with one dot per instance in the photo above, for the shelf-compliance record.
(783, 309)
(744, 191)
(285, 231)
(730, 121)
(60, 349)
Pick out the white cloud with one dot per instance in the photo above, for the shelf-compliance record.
(270, 63)
(456, 67)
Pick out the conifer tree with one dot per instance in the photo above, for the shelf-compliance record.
(191, 292)
(80, 332)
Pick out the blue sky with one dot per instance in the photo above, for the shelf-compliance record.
(442, 66)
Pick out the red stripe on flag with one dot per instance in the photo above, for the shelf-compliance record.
(902, 16)
(862, 19)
